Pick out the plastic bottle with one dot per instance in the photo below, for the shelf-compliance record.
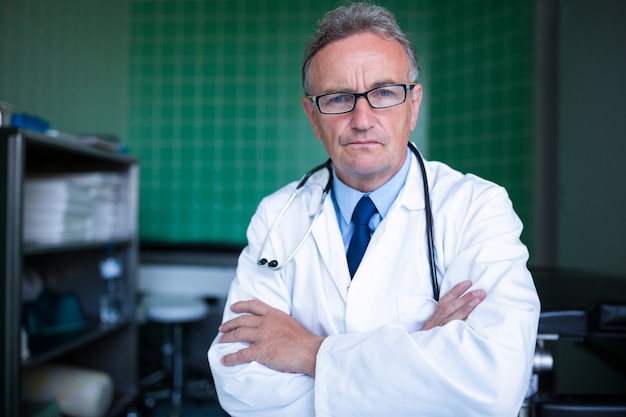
(112, 297)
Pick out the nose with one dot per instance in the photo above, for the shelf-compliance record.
(362, 115)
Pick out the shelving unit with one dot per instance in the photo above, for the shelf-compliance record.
(65, 266)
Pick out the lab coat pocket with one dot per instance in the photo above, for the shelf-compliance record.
(413, 312)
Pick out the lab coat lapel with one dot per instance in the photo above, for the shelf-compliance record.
(392, 256)
(412, 195)
(330, 246)
(411, 198)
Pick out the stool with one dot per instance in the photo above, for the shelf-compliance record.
(172, 311)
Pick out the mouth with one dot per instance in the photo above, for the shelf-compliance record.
(362, 142)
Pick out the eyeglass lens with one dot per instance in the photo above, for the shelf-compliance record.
(381, 97)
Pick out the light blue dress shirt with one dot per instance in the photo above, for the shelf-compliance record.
(346, 198)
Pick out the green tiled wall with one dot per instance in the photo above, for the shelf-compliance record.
(207, 94)
(214, 103)
(482, 94)
(65, 61)
(214, 108)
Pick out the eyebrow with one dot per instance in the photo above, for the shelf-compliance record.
(373, 85)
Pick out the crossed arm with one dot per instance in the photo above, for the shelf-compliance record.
(278, 341)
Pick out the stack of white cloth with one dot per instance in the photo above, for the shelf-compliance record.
(72, 207)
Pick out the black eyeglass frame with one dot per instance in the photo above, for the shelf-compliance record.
(407, 87)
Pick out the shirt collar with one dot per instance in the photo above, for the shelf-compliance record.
(346, 198)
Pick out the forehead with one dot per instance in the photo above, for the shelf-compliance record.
(359, 61)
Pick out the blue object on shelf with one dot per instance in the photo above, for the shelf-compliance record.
(53, 313)
(28, 121)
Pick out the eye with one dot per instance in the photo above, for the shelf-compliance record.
(384, 92)
(334, 99)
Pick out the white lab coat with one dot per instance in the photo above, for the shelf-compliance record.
(375, 360)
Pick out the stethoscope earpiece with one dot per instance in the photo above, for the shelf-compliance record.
(271, 264)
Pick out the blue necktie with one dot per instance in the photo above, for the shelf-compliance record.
(361, 216)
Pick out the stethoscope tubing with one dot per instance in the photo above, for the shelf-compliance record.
(276, 266)
(429, 225)
(273, 264)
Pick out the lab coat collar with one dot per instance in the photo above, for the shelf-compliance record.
(326, 230)
(411, 196)
(316, 183)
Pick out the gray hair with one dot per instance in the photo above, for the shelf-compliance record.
(352, 19)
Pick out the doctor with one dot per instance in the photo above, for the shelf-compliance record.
(319, 338)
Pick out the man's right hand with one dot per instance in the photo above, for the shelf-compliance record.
(455, 305)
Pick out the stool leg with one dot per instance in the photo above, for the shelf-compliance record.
(177, 381)
(167, 349)
(149, 395)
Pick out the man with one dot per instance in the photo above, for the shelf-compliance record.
(323, 335)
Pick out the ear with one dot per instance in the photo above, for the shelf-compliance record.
(416, 101)
(311, 112)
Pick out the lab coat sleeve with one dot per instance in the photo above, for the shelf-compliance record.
(253, 389)
(477, 367)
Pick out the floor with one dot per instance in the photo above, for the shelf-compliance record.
(199, 397)
(199, 400)
(190, 409)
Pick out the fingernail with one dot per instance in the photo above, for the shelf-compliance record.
(479, 293)
(474, 302)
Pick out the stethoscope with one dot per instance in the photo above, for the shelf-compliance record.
(276, 266)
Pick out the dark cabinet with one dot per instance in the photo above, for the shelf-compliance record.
(61, 243)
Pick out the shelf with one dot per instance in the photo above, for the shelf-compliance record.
(37, 255)
(51, 347)
(41, 146)
(37, 249)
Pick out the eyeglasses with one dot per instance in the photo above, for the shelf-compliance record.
(378, 98)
